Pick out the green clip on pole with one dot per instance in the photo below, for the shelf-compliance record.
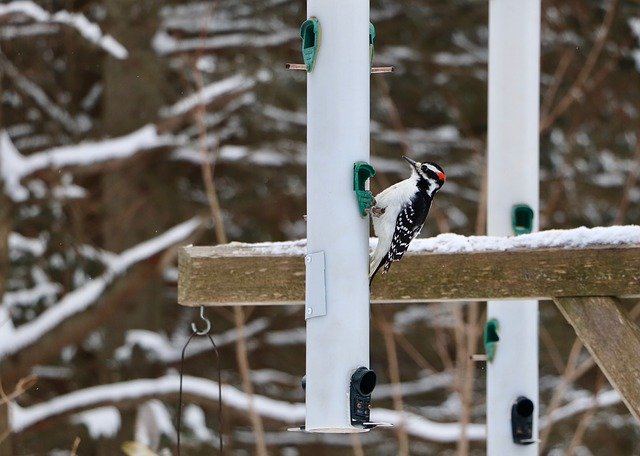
(372, 37)
(361, 172)
(491, 338)
(310, 34)
(521, 219)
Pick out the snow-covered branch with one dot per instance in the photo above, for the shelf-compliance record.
(33, 246)
(165, 44)
(142, 390)
(14, 166)
(203, 390)
(10, 32)
(229, 86)
(90, 31)
(12, 340)
(158, 347)
(77, 125)
(582, 404)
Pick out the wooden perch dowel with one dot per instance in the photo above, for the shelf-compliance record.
(241, 274)
(374, 70)
(296, 66)
(382, 69)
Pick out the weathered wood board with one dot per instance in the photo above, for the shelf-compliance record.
(240, 274)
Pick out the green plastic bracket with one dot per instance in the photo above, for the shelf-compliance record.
(361, 172)
(521, 219)
(310, 34)
(491, 338)
(372, 37)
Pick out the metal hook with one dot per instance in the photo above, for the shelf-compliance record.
(207, 322)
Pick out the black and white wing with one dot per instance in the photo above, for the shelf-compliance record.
(408, 226)
(409, 222)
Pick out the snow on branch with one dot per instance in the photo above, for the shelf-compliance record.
(77, 125)
(90, 31)
(582, 404)
(137, 391)
(199, 26)
(421, 427)
(142, 390)
(208, 94)
(159, 348)
(20, 243)
(165, 44)
(198, 389)
(12, 340)
(10, 32)
(14, 166)
(203, 390)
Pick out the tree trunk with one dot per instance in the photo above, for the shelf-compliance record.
(134, 91)
(5, 432)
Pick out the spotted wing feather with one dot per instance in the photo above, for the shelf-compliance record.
(409, 223)
(408, 226)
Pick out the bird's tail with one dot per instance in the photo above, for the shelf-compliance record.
(375, 265)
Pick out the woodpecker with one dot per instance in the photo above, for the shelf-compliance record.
(399, 212)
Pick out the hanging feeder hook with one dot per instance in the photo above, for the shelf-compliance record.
(207, 327)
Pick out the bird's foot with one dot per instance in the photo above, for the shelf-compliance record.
(376, 211)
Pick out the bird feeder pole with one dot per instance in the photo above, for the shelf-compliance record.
(337, 289)
(513, 164)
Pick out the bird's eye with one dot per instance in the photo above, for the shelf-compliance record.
(424, 168)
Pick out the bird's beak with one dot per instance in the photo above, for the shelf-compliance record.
(411, 162)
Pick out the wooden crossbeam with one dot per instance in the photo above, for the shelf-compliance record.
(612, 338)
(238, 274)
(583, 282)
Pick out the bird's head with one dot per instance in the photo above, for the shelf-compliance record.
(430, 176)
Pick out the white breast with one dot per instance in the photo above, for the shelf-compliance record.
(391, 199)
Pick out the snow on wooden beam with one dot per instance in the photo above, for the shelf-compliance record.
(558, 263)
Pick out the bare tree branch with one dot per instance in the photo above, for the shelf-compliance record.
(90, 31)
(87, 307)
(130, 394)
(576, 91)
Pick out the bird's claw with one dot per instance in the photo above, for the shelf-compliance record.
(376, 211)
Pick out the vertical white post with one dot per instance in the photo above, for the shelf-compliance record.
(513, 164)
(337, 137)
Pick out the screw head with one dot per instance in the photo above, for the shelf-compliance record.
(309, 310)
(307, 259)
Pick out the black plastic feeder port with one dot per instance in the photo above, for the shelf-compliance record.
(363, 381)
(522, 421)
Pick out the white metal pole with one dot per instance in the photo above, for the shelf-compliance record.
(337, 137)
(513, 164)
